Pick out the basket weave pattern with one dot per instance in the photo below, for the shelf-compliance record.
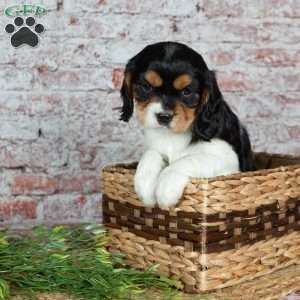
(225, 230)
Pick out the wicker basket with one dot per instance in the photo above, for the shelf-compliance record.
(225, 231)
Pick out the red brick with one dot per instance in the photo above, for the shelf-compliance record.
(221, 57)
(79, 183)
(275, 57)
(225, 8)
(32, 184)
(287, 99)
(117, 77)
(281, 8)
(280, 31)
(235, 82)
(46, 104)
(81, 200)
(87, 156)
(294, 132)
(26, 208)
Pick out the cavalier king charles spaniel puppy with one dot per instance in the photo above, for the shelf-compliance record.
(190, 131)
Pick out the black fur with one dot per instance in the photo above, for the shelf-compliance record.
(127, 109)
(215, 119)
(126, 91)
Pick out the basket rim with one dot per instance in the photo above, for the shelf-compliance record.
(131, 166)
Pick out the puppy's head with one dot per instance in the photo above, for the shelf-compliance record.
(170, 86)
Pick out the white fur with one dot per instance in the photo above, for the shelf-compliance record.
(151, 110)
(146, 176)
(170, 161)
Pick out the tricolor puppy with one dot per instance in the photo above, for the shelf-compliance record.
(190, 131)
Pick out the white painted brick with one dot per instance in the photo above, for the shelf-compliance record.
(20, 128)
(68, 85)
(156, 7)
(14, 154)
(69, 209)
(73, 79)
(49, 154)
(12, 78)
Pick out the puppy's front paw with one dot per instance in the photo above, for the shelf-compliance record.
(145, 188)
(146, 176)
(170, 188)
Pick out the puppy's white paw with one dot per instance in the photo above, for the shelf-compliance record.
(144, 186)
(170, 188)
(146, 176)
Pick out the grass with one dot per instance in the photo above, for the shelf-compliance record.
(74, 262)
(71, 261)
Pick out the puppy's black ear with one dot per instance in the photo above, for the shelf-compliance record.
(209, 118)
(127, 92)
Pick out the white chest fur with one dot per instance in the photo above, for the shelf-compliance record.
(170, 145)
(173, 146)
(170, 160)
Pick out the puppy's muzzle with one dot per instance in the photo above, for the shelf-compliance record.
(164, 118)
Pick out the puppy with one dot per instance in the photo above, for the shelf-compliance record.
(190, 131)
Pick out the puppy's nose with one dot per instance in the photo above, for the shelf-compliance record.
(164, 118)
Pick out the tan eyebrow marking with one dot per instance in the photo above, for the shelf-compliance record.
(153, 78)
(182, 81)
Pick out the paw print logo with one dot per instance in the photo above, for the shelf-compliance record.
(23, 34)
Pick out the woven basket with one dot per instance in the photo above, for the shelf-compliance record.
(225, 231)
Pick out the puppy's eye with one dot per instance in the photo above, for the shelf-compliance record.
(146, 87)
(186, 92)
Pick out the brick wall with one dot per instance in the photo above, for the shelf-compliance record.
(57, 123)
